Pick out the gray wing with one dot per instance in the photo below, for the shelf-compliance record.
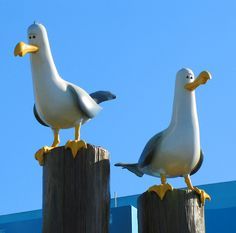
(199, 164)
(38, 117)
(149, 150)
(84, 102)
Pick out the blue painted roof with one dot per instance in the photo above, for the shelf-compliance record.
(223, 196)
(222, 206)
(23, 216)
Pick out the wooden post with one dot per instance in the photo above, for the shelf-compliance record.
(179, 212)
(76, 195)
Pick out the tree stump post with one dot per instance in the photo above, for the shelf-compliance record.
(179, 212)
(76, 192)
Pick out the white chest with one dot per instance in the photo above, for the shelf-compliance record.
(55, 105)
(179, 151)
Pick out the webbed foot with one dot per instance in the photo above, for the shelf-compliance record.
(203, 195)
(75, 146)
(161, 189)
(39, 155)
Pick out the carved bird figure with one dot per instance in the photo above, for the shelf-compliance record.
(58, 104)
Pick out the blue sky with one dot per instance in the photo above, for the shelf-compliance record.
(134, 49)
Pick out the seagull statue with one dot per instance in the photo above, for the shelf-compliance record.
(176, 151)
(58, 104)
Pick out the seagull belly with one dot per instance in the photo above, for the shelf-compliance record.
(175, 163)
(175, 158)
(58, 111)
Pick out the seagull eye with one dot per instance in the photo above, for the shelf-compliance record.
(191, 77)
(29, 37)
(34, 37)
(187, 76)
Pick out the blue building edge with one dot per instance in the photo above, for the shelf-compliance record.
(220, 213)
(223, 195)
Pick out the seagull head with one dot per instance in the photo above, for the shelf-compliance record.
(37, 40)
(185, 78)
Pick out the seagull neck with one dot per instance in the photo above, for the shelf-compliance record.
(184, 108)
(43, 66)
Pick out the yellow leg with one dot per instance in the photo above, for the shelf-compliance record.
(202, 193)
(77, 144)
(41, 152)
(56, 140)
(77, 132)
(161, 189)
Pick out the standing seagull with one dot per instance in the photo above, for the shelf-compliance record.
(58, 103)
(175, 151)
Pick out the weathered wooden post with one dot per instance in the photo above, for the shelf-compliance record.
(76, 196)
(179, 212)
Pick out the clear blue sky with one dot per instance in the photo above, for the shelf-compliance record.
(134, 49)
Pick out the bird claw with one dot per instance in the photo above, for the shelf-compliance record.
(203, 195)
(39, 155)
(161, 189)
(75, 146)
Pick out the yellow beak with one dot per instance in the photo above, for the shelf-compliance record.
(202, 78)
(21, 49)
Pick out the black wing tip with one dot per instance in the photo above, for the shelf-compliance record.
(118, 164)
(113, 96)
(122, 165)
(102, 96)
(109, 94)
(199, 164)
(38, 118)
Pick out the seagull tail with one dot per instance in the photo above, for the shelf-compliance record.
(132, 167)
(101, 96)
